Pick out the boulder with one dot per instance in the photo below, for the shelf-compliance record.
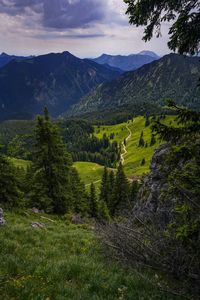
(2, 220)
(77, 220)
(37, 225)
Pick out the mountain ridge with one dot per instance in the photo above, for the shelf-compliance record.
(56, 80)
(127, 62)
(173, 76)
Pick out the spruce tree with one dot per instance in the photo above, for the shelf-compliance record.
(50, 188)
(104, 187)
(111, 189)
(153, 140)
(141, 140)
(79, 202)
(143, 162)
(93, 203)
(10, 194)
(121, 192)
(147, 121)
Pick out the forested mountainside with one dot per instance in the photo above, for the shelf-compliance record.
(54, 80)
(129, 62)
(173, 76)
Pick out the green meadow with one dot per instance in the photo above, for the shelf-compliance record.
(135, 154)
(62, 261)
(92, 172)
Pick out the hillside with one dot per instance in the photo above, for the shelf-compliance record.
(54, 80)
(62, 261)
(173, 76)
(134, 154)
(129, 62)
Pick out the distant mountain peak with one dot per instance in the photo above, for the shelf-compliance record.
(149, 53)
(127, 62)
(4, 54)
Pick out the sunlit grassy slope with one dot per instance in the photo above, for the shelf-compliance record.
(133, 158)
(62, 262)
(20, 163)
(91, 172)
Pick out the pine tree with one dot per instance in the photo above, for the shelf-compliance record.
(133, 192)
(111, 189)
(79, 202)
(153, 140)
(93, 203)
(141, 140)
(121, 192)
(103, 213)
(104, 187)
(50, 188)
(10, 193)
(147, 121)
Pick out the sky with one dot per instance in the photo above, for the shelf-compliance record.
(86, 28)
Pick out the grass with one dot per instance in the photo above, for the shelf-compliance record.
(92, 172)
(60, 262)
(133, 158)
(89, 172)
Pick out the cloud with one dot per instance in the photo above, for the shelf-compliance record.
(63, 14)
(84, 27)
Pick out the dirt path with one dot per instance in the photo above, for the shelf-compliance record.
(93, 182)
(124, 146)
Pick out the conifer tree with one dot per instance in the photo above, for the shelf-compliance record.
(93, 203)
(50, 188)
(103, 213)
(10, 193)
(104, 187)
(141, 140)
(111, 189)
(143, 162)
(153, 140)
(147, 121)
(121, 192)
(79, 202)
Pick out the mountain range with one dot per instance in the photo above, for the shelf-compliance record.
(66, 83)
(55, 80)
(172, 77)
(127, 63)
(6, 58)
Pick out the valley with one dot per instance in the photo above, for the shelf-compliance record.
(131, 155)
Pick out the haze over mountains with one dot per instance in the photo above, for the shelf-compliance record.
(62, 80)
(54, 80)
(129, 62)
(172, 77)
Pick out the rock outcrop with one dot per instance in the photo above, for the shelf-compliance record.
(151, 197)
(2, 220)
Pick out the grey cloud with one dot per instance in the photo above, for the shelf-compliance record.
(59, 14)
(67, 36)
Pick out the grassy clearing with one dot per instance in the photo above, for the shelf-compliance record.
(60, 262)
(133, 158)
(89, 172)
(20, 163)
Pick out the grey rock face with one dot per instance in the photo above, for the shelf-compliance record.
(2, 220)
(151, 197)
